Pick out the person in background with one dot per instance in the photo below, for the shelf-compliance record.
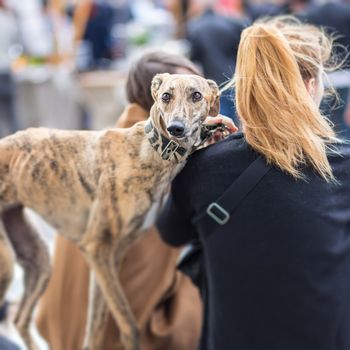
(166, 304)
(255, 10)
(277, 271)
(214, 40)
(98, 39)
(334, 17)
(98, 34)
(179, 10)
(8, 38)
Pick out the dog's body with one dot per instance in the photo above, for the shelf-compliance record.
(61, 173)
(99, 189)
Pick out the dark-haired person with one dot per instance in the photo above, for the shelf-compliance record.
(214, 40)
(166, 304)
(278, 271)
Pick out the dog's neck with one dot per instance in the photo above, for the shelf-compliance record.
(167, 149)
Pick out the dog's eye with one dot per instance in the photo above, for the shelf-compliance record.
(166, 97)
(197, 96)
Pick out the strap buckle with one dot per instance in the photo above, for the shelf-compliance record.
(169, 150)
(220, 215)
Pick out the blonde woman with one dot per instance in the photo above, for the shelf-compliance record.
(278, 272)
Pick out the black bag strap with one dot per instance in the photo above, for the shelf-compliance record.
(218, 213)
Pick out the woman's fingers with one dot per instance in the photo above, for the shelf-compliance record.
(221, 119)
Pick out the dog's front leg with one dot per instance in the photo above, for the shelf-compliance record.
(97, 317)
(101, 258)
(100, 248)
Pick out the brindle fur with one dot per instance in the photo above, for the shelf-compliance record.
(95, 188)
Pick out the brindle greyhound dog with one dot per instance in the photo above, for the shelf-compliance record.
(101, 190)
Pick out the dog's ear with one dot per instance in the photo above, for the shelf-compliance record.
(156, 83)
(215, 98)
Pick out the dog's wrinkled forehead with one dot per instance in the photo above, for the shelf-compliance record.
(180, 83)
(170, 87)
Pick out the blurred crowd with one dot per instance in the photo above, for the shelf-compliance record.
(65, 63)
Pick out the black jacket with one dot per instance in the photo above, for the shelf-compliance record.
(279, 271)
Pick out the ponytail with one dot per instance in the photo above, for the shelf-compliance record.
(279, 118)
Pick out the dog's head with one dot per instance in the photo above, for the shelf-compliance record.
(182, 102)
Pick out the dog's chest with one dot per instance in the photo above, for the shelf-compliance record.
(160, 189)
(151, 215)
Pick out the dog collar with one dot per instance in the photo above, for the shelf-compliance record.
(168, 149)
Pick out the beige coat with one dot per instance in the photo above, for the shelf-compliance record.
(166, 305)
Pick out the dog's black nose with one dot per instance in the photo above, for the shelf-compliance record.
(176, 129)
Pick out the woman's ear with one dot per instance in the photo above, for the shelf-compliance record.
(215, 98)
(311, 86)
(156, 83)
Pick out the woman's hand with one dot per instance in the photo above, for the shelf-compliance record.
(225, 127)
(222, 119)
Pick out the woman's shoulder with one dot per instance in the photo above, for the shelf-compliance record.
(210, 171)
(339, 158)
(232, 149)
(219, 160)
(228, 145)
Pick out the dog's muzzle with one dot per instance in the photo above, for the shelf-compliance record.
(168, 149)
(176, 129)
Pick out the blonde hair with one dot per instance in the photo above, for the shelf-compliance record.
(279, 117)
